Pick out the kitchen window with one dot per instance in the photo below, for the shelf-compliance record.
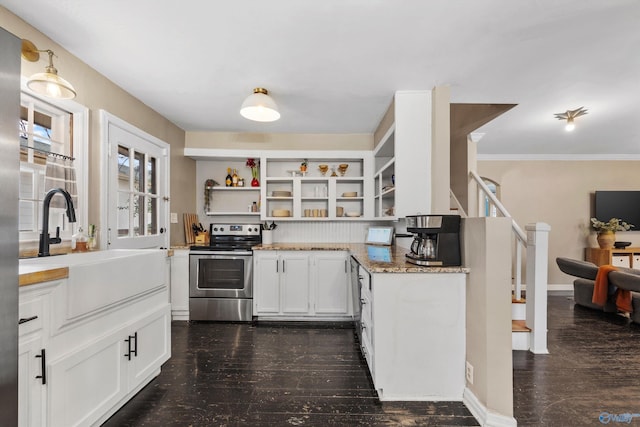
(49, 127)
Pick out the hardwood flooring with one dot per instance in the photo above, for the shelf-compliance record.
(225, 374)
(592, 370)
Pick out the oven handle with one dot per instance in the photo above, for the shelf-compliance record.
(214, 254)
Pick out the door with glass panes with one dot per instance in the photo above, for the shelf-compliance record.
(137, 194)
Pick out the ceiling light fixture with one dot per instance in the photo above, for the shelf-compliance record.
(47, 83)
(260, 107)
(570, 116)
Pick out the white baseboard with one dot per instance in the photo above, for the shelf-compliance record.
(486, 417)
(179, 314)
(555, 287)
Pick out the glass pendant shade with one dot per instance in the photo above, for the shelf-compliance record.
(52, 85)
(260, 107)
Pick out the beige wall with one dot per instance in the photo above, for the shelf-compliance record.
(96, 92)
(487, 253)
(279, 141)
(440, 150)
(560, 194)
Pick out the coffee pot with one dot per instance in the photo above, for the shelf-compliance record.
(423, 247)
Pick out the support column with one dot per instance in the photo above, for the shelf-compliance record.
(537, 274)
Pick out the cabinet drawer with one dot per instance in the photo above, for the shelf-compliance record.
(621, 260)
(636, 261)
(30, 312)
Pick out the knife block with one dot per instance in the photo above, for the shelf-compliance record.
(202, 238)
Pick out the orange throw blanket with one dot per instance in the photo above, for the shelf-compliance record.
(601, 289)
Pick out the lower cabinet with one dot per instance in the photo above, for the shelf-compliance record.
(88, 383)
(31, 382)
(301, 284)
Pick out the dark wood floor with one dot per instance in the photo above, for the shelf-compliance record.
(592, 370)
(223, 374)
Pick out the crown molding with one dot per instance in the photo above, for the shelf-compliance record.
(558, 157)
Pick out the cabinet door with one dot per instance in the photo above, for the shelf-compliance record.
(331, 283)
(150, 344)
(294, 283)
(180, 284)
(87, 383)
(31, 390)
(266, 283)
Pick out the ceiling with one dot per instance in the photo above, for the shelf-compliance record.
(333, 65)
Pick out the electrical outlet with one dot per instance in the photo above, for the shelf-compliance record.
(174, 218)
(469, 373)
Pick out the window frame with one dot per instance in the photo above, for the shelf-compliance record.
(80, 144)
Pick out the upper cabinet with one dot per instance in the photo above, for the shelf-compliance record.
(317, 188)
(402, 157)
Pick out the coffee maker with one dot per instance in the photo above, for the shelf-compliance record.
(436, 241)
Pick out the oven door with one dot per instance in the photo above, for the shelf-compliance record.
(221, 275)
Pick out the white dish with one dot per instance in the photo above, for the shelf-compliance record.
(353, 214)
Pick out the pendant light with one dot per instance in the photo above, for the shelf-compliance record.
(570, 116)
(260, 107)
(47, 83)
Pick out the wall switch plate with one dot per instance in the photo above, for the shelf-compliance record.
(174, 218)
(469, 373)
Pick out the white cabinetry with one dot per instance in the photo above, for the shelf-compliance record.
(423, 315)
(330, 281)
(301, 284)
(281, 283)
(88, 383)
(312, 196)
(32, 353)
(180, 284)
(402, 175)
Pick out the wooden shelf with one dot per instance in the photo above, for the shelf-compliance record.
(627, 257)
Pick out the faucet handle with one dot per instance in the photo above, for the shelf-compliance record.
(56, 239)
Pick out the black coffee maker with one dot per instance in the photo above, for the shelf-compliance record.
(436, 241)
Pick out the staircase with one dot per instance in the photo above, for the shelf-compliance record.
(530, 254)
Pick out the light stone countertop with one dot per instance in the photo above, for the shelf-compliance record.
(375, 259)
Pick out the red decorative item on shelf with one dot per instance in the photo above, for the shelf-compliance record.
(251, 163)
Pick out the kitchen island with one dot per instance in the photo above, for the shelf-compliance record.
(410, 319)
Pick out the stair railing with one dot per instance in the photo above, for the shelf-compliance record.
(536, 243)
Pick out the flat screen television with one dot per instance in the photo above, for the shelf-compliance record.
(618, 204)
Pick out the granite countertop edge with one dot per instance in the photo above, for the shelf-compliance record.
(398, 263)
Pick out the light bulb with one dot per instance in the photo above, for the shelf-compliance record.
(570, 125)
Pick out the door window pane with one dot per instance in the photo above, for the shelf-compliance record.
(138, 172)
(123, 213)
(151, 175)
(152, 216)
(138, 215)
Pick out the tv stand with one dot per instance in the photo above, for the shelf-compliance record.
(628, 257)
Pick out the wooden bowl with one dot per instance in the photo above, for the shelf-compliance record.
(280, 212)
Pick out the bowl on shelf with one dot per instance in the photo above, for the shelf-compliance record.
(353, 214)
(281, 193)
(621, 245)
(350, 194)
(280, 212)
(342, 168)
(323, 169)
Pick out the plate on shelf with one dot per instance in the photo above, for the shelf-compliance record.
(281, 193)
(280, 213)
(352, 214)
(350, 194)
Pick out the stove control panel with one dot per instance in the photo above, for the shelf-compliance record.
(234, 229)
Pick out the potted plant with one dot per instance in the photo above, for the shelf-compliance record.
(607, 230)
(303, 165)
(251, 163)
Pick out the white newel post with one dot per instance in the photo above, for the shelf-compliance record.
(537, 264)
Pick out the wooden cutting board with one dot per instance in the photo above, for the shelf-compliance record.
(190, 219)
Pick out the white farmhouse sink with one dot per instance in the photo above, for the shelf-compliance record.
(100, 279)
